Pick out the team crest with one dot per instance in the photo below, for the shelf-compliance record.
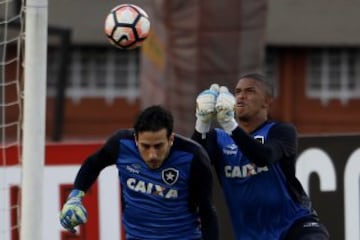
(170, 175)
(260, 139)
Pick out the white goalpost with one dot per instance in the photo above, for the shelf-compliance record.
(33, 141)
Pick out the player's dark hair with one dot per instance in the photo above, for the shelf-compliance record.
(269, 87)
(154, 118)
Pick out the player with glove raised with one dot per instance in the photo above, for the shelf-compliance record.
(215, 102)
(205, 108)
(225, 104)
(255, 158)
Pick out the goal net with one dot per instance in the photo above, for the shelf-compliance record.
(22, 117)
(11, 42)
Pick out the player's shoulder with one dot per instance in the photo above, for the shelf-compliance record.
(121, 134)
(282, 127)
(192, 147)
(186, 144)
(124, 133)
(182, 141)
(282, 124)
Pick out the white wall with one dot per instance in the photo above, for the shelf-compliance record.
(313, 22)
(290, 22)
(85, 17)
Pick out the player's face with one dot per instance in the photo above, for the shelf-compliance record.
(251, 100)
(154, 147)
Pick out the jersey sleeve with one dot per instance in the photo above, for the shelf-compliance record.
(280, 144)
(209, 143)
(95, 163)
(201, 192)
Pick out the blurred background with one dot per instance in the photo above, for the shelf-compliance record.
(309, 49)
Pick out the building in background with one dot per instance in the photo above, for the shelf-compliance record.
(311, 52)
(313, 49)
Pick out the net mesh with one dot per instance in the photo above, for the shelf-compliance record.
(11, 41)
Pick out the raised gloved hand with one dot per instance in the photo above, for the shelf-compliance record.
(205, 108)
(73, 212)
(225, 110)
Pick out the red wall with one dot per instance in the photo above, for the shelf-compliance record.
(310, 115)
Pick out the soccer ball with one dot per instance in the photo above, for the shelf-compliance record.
(127, 26)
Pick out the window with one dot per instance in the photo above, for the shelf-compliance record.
(333, 74)
(110, 73)
(97, 72)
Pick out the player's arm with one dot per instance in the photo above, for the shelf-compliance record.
(94, 164)
(205, 113)
(73, 212)
(201, 195)
(209, 143)
(281, 143)
(91, 168)
(205, 109)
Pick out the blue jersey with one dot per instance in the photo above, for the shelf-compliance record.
(164, 203)
(263, 196)
(156, 200)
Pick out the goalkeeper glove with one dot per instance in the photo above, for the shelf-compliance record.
(225, 110)
(73, 212)
(205, 108)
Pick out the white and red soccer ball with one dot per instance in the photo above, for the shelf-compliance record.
(127, 26)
